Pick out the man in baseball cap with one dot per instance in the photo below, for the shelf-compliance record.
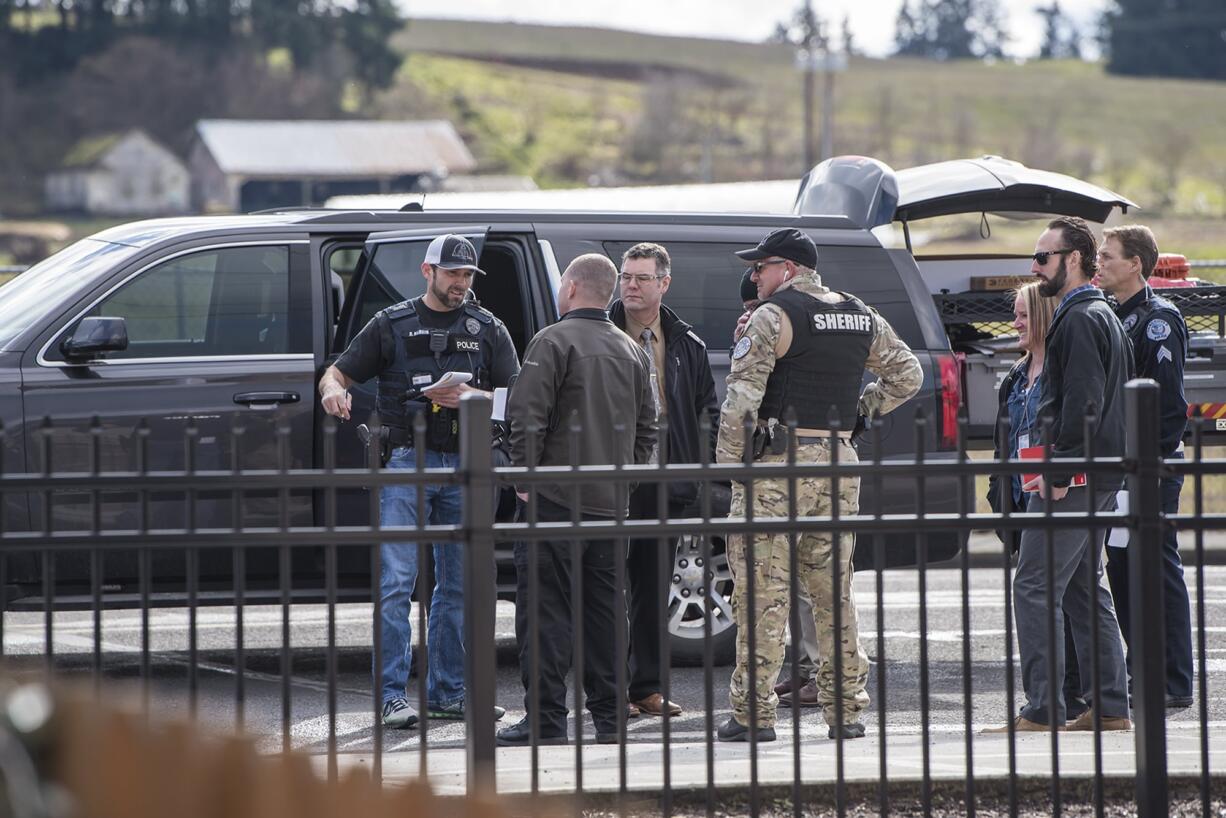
(452, 252)
(785, 243)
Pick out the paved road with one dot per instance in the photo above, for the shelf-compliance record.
(904, 725)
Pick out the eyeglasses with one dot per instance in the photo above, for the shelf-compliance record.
(759, 266)
(640, 279)
(1043, 256)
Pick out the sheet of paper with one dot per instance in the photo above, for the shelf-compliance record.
(499, 410)
(449, 379)
(1118, 537)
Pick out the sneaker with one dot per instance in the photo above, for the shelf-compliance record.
(455, 711)
(519, 734)
(1178, 702)
(1085, 723)
(851, 730)
(398, 714)
(1021, 724)
(733, 730)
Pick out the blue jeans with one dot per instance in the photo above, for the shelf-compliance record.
(445, 630)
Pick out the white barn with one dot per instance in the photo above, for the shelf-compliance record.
(123, 174)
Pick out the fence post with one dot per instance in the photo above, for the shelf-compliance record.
(1145, 589)
(480, 591)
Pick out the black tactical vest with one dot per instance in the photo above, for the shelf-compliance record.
(824, 366)
(422, 356)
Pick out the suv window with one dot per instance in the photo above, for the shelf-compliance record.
(229, 301)
(705, 289)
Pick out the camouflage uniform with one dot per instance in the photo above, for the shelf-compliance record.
(899, 377)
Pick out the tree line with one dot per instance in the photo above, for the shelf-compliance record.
(1169, 38)
(41, 37)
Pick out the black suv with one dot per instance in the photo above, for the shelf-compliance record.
(239, 316)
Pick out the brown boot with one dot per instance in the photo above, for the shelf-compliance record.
(1021, 724)
(806, 696)
(1085, 723)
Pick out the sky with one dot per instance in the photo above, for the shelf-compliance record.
(872, 21)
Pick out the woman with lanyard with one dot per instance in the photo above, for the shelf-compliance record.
(1020, 393)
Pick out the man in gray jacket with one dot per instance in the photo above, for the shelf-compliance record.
(582, 370)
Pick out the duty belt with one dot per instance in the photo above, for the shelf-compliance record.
(806, 439)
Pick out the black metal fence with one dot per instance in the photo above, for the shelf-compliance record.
(946, 695)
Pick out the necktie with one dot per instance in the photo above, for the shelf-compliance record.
(653, 376)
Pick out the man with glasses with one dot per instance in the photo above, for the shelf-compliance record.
(1087, 364)
(1159, 336)
(408, 347)
(803, 352)
(683, 390)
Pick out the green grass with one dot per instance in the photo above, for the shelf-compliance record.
(1125, 133)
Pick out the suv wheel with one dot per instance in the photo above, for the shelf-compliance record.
(689, 585)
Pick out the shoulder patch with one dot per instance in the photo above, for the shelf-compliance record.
(742, 348)
(480, 313)
(1157, 330)
(694, 335)
(399, 310)
(1130, 322)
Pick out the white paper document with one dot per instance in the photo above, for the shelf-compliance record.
(499, 410)
(1118, 537)
(449, 379)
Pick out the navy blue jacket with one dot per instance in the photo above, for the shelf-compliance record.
(1159, 346)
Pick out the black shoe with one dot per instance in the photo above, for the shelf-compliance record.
(607, 737)
(519, 734)
(1178, 702)
(733, 730)
(455, 711)
(853, 730)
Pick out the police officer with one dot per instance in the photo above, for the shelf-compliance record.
(804, 349)
(410, 346)
(1159, 338)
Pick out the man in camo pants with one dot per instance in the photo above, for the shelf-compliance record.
(804, 349)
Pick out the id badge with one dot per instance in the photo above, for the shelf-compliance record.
(1023, 440)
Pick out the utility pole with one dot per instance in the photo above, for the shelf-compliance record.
(828, 102)
(814, 54)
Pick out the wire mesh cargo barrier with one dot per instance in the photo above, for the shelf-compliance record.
(199, 635)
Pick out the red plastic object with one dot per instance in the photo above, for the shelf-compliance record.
(1171, 266)
(949, 398)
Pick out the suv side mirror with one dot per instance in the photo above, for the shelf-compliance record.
(94, 336)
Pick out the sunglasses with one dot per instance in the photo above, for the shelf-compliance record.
(759, 266)
(1046, 254)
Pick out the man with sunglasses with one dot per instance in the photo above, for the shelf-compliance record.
(1088, 361)
(802, 354)
(683, 390)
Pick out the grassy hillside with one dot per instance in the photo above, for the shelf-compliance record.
(660, 109)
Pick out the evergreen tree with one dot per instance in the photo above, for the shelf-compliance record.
(1060, 36)
(1174, 38)
(950, 29)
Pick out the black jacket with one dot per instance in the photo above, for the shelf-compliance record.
(690, 392)
(1159, 345)
(998, 501)
(1088, 362)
